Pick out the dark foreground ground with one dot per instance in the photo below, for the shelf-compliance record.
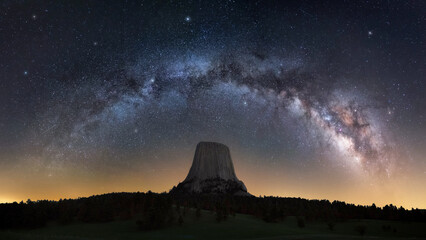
(235, 227)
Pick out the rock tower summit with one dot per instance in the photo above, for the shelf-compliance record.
(212, 171)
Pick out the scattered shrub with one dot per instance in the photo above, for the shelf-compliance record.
(361, 229)
(331, 225)
(386, 228)
(180, 220)
(198, 213)
(300, 222)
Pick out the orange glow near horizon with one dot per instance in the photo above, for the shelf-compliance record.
(266, 181)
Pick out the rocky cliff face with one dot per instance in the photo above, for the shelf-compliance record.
(212, 171)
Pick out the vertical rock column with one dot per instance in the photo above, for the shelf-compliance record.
(212, 171)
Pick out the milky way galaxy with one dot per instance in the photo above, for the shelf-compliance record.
(239, 92)
(317, 100)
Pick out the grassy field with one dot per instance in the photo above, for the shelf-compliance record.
(238, 227)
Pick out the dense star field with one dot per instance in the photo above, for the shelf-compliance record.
(316, 99)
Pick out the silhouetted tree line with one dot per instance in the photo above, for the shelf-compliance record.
(275, 209)
(153, 210)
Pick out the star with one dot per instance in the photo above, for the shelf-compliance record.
(103, 86)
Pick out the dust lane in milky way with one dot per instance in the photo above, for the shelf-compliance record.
(200, 94)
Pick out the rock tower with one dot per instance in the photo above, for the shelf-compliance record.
(212, 171)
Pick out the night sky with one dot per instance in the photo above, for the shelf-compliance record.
(315, 99)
